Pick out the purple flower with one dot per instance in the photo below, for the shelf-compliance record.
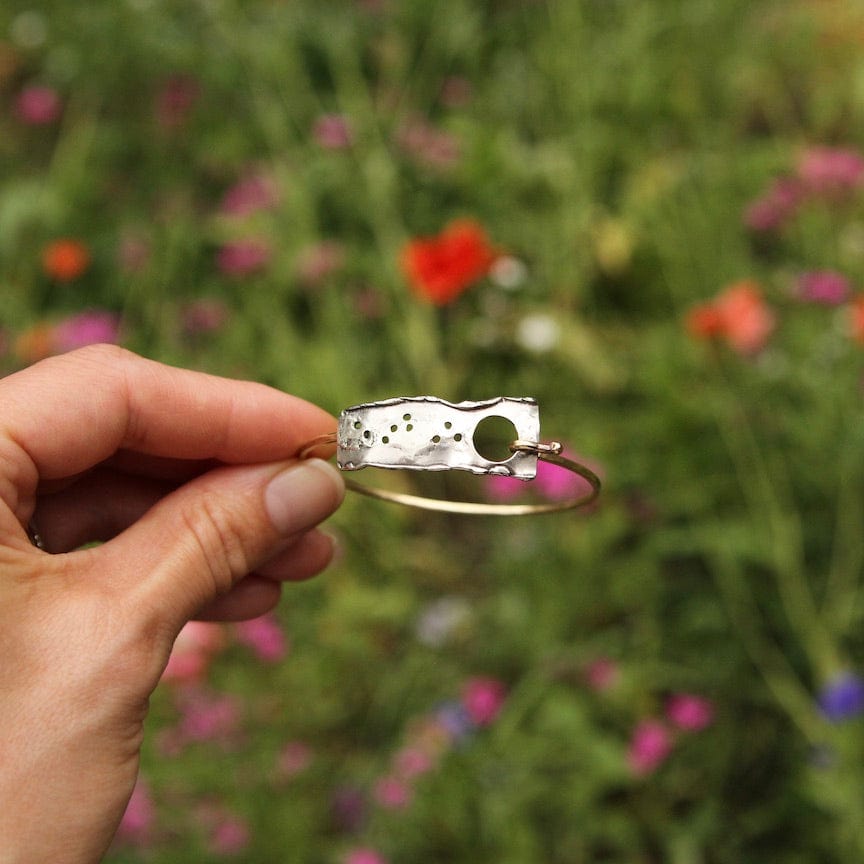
(86, 328)
(830, 170)
(333, 132)
(689, 712)
(364, 856)
(454, 720)
(264, 636)
(483, 699)
(842, 698)
(243, 257)
(348, 809)
(776, 206)
(248, 196)
(825, 287)
(650, 745)
(38, 105)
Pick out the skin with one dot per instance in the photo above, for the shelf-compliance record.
(193, 485)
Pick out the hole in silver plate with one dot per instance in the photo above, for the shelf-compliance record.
(492, 438)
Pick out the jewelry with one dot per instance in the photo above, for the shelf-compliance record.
(424, 433)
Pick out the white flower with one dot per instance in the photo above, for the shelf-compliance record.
(538, 333)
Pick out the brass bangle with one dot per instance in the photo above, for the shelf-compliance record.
(360, 433)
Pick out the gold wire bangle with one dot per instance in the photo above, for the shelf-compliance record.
(547, 452)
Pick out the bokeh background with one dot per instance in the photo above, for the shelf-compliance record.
(647, 214)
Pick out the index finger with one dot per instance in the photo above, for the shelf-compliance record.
(68, 413)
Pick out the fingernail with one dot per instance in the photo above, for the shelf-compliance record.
(303, 495)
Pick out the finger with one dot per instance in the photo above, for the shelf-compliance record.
(250, 597)
(307, 556)
(65, 414)
(199, 541)
(97, 507)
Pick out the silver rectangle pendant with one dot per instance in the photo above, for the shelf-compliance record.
(429, 434)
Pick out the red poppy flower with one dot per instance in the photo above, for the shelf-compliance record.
(440, 268)
(65, 260)
(739, 315)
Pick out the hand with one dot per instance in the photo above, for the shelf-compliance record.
(190, 481)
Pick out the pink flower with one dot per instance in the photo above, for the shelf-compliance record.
(133, 253)
(552, 483)
(243, 257)
(602, 674)
(249, 196)
(295, 758)
(229, 836)
(175, 101)
(264, 636)
(825, 287)
(483, 699)
(830, 170)
(393, 793)
(333, 132)
(38, 105)
(136, 826)
(193, 650)
(207, 716)
(688, 712)
(649, 747)
(429, 145)
(86, 328)
(315, 263)
(206, 315)
(412, 762)
(776, 206)
(364, 856)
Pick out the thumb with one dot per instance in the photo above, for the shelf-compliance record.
(196, 543)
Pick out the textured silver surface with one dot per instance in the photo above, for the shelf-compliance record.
(429, 434)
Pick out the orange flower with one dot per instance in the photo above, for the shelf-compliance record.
(65, 259)
(440, 268)
(739, 315)
(856, 317)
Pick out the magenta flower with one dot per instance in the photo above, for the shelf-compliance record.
(825, 287)
(650, 745)
(38, 105)
(136, 826)
(264, 636)
(86, 328)
(243, 257)
(552, 483)
(364, 856)
(831, 171)
(689, 713)
(248, 196)
(483, 699)
(333, 132)
(776, 206)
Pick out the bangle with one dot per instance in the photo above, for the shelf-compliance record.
(424, 433)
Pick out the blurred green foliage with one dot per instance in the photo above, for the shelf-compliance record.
(610, 149)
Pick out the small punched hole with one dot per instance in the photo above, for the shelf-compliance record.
(457, 436)
(367, 434)
(393, 428)
(406, 416)
(357, 424)
(409, 427)
(448, 424)
(385, 439)
(436, 439)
